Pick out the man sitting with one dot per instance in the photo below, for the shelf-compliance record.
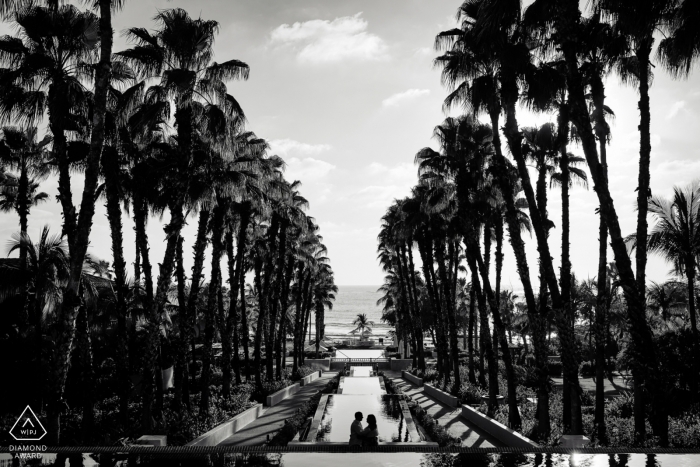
(355, 430)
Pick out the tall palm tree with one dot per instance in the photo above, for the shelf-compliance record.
(559, 23)
(473, 71)
(61, 56)
(180, 53)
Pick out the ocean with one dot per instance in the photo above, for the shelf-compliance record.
(350, 301)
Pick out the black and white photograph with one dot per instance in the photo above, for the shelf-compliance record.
(388, 233)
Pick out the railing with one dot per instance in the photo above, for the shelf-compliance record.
(359, 360)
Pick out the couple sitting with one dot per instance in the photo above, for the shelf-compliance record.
(364, 437)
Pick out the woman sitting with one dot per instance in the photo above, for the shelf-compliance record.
(370, 435)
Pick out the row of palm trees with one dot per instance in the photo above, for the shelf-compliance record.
(550, 58)
(109, 116)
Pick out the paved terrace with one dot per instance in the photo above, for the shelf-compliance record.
(273, 418)
(448, 417)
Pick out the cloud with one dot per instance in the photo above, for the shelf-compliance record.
(389, 183)
(675, 108)
(307, 170)
(424, 52)
(404, 173)
(289, 147)
(324, 41)
(380, 196)
(405, 96)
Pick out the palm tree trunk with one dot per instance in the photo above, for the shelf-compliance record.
(485, 335)
(266, 296)
(260, 322)
(244, 324)
(513, 413)
(114, 215)
(232, 317)
(470, 341)
(297, 315)
(282, 350)
(87, 380)
(182, 377)
(200, 246)
(569, 357)
(277, 292)
(451, 321)
(78, 233)
(537, 321)
(151, 363)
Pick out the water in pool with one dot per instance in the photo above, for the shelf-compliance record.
(360, 371)
(362, 386)
(352, 353)
(340, 413)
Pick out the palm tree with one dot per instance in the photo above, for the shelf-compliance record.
(559, 24)
(676, 236)
(20, 151)
(324, 295)
(45, 273)
(189, 77)
(666, 299)
(57, 62)
(362, 323)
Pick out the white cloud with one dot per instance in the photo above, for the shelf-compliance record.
(675, 108)
(307, 170)
(324, 41)
(424, 52)
(288, 147)
(403, 174)
(405, 96)
(380, 196)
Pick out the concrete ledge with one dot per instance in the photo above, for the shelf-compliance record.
(152, 440)
(499, 431)
(219, 433)
(309, 378)
(388, 443)
(412, 378)
(282, 394)
(319, 364)
(447, 399)
(400, 364)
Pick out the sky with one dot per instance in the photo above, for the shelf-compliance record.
(347, 94)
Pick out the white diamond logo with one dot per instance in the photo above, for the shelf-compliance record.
(28, 427)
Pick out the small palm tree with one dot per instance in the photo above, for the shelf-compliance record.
(676, 235)
(363, 324)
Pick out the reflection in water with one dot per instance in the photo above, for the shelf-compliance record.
(399, 459)
(340, 413)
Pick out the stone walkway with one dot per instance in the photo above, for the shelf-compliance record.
(448, 417)
(256, 433)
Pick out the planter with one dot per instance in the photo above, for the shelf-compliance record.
(309, 378)
(219, 433)
(412, 378)
(279, 396)
(441, 396)
(499, 431)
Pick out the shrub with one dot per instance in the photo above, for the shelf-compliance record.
(587, 398)
(469, 394)
(622, 407)
(587, 369)
(436, 431)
